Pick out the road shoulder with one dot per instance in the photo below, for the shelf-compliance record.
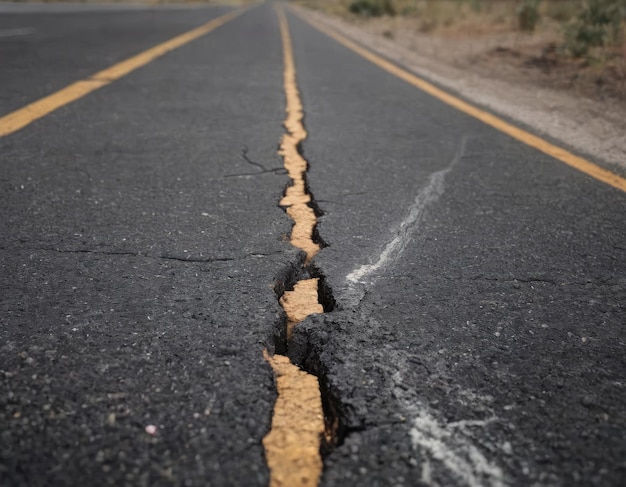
(590, 127)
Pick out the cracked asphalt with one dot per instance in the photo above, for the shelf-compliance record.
(478, 335)
(138, 251)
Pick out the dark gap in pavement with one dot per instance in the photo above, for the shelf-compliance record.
(304, 353)
(285, 280)
(324, 291)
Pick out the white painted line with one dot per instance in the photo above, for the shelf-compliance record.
(431, 193)
(458, 456)
(450, 446)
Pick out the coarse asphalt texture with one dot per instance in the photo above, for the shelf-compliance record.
(478, 330)
(138, 256)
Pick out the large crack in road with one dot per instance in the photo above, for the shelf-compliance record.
(293, 446)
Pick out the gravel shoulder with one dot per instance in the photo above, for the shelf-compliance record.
(594, 128)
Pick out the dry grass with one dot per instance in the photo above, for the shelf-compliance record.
(473, 15)
(485, 35)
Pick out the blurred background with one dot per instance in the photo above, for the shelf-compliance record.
(572, 44)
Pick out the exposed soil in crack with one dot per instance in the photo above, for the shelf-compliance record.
(301, 302)
(300, 428)
(292, 446)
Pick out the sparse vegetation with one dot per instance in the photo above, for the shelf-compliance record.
(372, 8)
(577, 45)
(528, 15)
(599, 24)
(593, 22)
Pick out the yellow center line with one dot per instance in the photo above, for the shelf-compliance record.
(22, 117)
(296, 198)
(292, 446)
(527, 138)
(301, 302)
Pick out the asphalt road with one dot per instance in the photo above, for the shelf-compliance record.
(478, 331)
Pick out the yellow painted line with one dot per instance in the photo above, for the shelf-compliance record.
(22, 117)
(527, 138)
(296, 198)
(303, 301)
(292, 446)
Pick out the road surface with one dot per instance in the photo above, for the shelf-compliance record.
(474, 287)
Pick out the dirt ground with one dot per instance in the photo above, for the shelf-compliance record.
(518, 75)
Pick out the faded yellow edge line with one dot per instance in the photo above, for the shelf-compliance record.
(527, 138)
(22, 117)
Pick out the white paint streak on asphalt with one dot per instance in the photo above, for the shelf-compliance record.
(395, 247)
(430, 194)
(447, 444)
(443, 445)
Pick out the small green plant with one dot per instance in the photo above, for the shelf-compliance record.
(528, 15)
(372, 8)
(598, 24)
